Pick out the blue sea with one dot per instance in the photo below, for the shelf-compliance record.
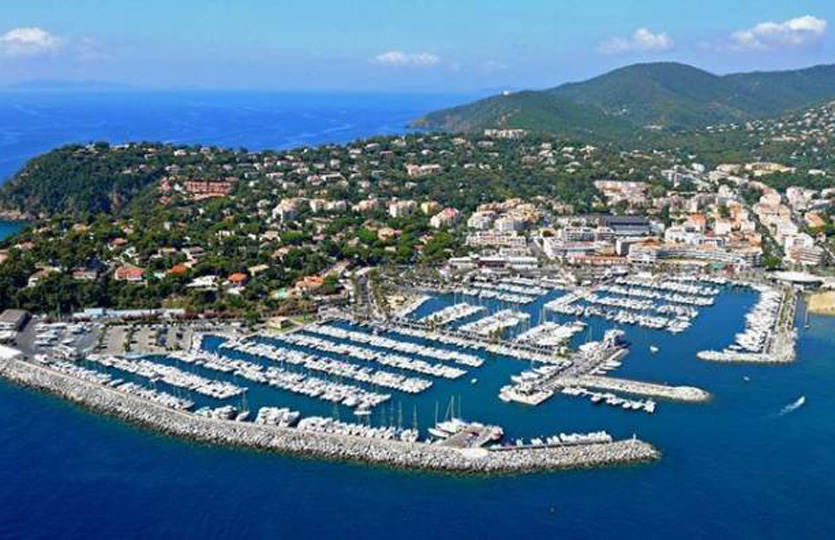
(740, 466)
(33, 122)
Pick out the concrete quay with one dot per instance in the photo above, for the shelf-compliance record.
(418, 456)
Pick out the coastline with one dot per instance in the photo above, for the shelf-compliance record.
(396, 454)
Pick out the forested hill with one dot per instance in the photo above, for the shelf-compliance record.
(79, 180)
(658, 95)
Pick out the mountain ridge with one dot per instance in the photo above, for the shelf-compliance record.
(662, 95)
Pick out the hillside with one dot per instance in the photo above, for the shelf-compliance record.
(662, 95)
(539, 111)
(77, 180)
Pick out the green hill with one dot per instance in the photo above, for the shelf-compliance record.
(78, 179)
(662, 95)
(539, 111)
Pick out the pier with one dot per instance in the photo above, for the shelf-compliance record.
(688, 394)
(583, 370)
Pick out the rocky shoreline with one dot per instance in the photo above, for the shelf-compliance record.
(417, 456)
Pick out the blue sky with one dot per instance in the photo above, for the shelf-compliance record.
(432, 45)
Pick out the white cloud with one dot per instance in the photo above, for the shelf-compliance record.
(400, 58)
(792, 33)
(493, 66)
(642, 40)
(90, 50)
(29, 41)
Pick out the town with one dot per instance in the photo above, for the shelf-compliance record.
(300, 300)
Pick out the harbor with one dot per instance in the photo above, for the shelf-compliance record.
(345, 378)
(769, 335)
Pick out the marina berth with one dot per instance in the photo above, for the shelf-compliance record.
(225, 412)
(523, 287)
(97, 377)
(670, 284)
(452, 313)
(395, 345)
(319, 424)
(369, 355)
(688, 394)
(491, 293)
(328, 445)
(625, 310)
(550, 334)
(769, 334)
(510, 349)
(155, 396)
(331, 366)
(412, 306)
(535, 286)
(497, 322)
(275, 416)
(278, 377)
(611, 399)
(505, 292)
(672, 297)
(362, 354)
(170, 375)
(561, 439)
(313, 387)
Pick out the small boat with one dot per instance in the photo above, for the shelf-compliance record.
(473, 381)
(653, 349)
(801, 401)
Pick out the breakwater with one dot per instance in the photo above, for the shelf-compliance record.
(687, 394)
(408, 455)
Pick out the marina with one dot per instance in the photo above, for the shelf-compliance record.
(344, 376)
(769, 335)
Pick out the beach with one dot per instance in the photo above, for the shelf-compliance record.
(821, 303)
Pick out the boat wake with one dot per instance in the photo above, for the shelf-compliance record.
(791, 407)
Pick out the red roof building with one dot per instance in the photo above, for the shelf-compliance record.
(131, 274)
(238, 279)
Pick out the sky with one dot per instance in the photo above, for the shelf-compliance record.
(402, 45)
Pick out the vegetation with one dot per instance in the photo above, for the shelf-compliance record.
(661, 95)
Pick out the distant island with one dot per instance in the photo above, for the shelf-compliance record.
(643, 97)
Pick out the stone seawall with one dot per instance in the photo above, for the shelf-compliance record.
(688, 394)
(420, 456)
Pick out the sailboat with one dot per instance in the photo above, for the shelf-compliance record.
(450, 426)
